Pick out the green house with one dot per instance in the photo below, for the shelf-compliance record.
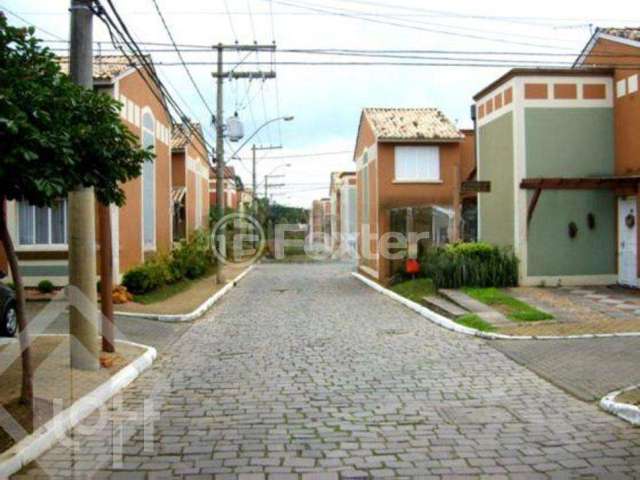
(546, 147)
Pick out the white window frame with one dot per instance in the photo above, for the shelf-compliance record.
(42, 246)
(151, 246)
(416, 154)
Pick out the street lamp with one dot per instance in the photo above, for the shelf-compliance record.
(288, 118)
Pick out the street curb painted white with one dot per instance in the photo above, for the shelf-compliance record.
(45, 437)
(455, 327)
(627, 412)
(198, 312)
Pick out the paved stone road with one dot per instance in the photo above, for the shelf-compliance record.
(302, 372)
(160, 335)
(588, 368)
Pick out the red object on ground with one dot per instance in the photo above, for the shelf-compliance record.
(412, 266)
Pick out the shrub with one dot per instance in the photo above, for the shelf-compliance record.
(148, 276)
(45, 286)
(471, 264)
(192, 259)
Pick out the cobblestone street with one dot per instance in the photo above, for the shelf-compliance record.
(302, 372)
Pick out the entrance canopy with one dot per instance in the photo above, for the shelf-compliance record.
(621, 185)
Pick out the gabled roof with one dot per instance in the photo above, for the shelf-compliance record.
(627, 35)
(407, 124)
(229, 172)
(105, 67)
(181, 134)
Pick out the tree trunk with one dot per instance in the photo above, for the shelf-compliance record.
(106, 279)
(83, 328)
(26, 396)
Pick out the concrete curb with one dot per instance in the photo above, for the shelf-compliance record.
(455, 327)
(45, 437)
(198, 312)
(627, 412)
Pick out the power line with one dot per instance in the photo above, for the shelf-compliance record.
(24, 20)
(305, 155)
(186, 68)
(354, 14)
(158, 89)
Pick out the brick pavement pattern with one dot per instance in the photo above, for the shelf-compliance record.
(304, 373)
(588, 368)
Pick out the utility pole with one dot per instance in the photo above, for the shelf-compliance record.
(220, 75)
(82, 235)
(220, 137)
(254, 183)
(254, 149)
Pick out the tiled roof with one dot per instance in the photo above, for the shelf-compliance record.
(630, 33)
(180, 135)
(229, 172)
(105, 67)
(411, 124)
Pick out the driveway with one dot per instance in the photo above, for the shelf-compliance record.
(303, 372)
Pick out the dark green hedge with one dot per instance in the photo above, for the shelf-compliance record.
(471, 265)
(189, 260)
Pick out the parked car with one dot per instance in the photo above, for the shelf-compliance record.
(8, 315)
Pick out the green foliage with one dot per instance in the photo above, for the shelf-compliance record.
(192, 259)
(414, 290)
(189, 260)
(45, 286)
(471, 264)
(472, 320)
(54, 135)
(513, 308)
(150, 275)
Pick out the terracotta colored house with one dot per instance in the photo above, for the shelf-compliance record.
(190, 178)
(140, 228)
(561, 151)
(408, 170)
(619, 48)
(230, 188)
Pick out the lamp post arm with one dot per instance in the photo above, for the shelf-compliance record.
(244, 144)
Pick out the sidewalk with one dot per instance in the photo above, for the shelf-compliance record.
(580, 311)
(187, 300)
(587, 368)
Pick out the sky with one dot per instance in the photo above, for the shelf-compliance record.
(326, 100)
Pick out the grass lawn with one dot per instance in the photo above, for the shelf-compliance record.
(472, 320)
(414, 290)
(513, 308)
(163, 292)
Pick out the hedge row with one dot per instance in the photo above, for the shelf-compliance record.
(471, 265)
(189, 260)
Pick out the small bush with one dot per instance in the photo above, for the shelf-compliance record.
(45, 286)
(148, 276)
(471, 264)
(190, 260)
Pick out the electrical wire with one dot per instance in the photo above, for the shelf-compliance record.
(24, 20)
(145, 69)
(186, 68)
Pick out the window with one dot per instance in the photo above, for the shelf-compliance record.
(417, 163)
(148, 183)
(42, 225)
(366, 204)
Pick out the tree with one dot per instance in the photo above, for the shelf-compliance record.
(54, 137)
